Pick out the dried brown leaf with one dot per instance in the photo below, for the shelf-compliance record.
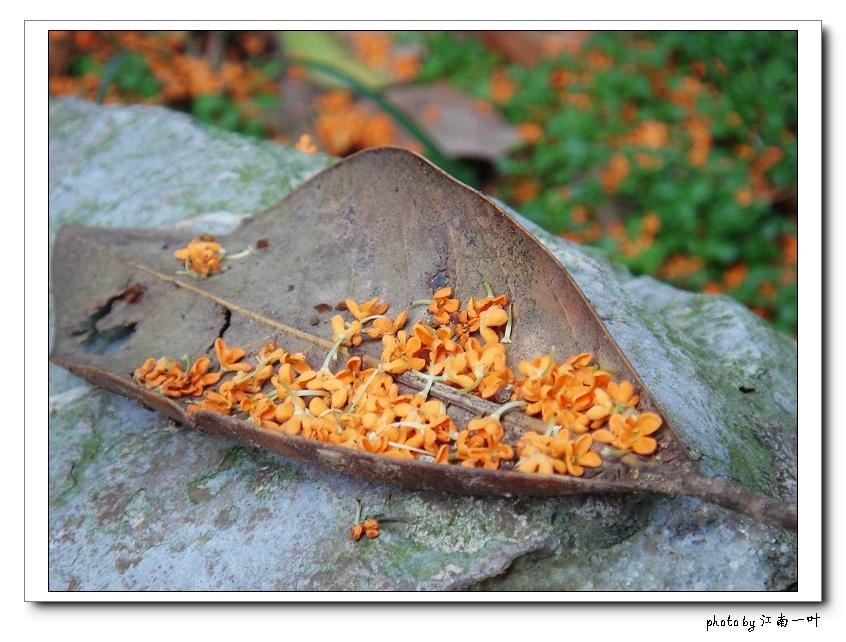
(382, 223)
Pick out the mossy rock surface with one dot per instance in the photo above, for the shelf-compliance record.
(138, 503)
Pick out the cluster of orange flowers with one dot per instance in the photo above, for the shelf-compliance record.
(377, 50)
(579, 398)
(363, 525)
(168, 377)
(363, 409)
(201, 257)
(680, 265)
(180, 75)
(344, 126)
(368, 527)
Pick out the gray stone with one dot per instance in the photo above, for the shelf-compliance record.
(138, 503)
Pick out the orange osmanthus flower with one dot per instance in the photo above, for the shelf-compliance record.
(530, 133)
(629, 433)
(368, 528)
(338, 391)
(615, 172)
(535, 455)
(479, 445)
(386, 326)
(401, 353)
(154, 372)
(201, 257)
(198, 377)
(348, 335)
(371, 528)
(615, 398)
(305, 144)
(547, 454)
(166, 376)
(228, 358)
(578, 454)
(214, 402)
(492, 317)
(502, 85)
(369, 308)
(442, 306)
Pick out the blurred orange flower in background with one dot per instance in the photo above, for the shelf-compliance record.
(615, 172)
(502, 86)
(651, 134)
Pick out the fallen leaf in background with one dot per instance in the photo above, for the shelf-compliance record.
(451, 118)
(530, 47)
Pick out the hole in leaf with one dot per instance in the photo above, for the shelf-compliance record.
(114, 337)
(439, 279)
(109, 340)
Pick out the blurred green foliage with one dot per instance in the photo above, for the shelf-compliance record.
(127, 71)
(697, 128)
(674, 151)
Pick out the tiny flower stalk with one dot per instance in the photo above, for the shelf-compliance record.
(312, 393)
(374, 316)
(238, 255)
(609, 452)
(621, 409)
(343, 335)
(409, 424)
(474, 385)
(508, 407)
(333, 352)
(506, 338)
(363, 389)
(290, 392)
(430, 378)
(197, 276)
(420, 451)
